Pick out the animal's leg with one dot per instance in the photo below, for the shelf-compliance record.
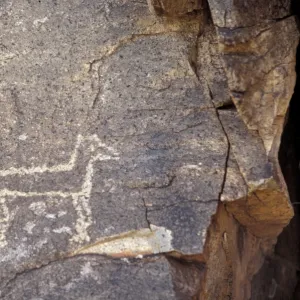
(84, 219)
(4, 221)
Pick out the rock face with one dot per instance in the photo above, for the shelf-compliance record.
(139, 150)
(175, 7)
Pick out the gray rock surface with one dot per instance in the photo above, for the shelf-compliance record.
(93, 278)
(175, 7)
(119, 137)
(105, 130)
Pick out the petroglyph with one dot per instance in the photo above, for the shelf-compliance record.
(4, 219)
(90, 147)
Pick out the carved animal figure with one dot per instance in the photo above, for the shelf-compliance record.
(72, 179)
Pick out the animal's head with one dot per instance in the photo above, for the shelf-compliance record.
(99, 150)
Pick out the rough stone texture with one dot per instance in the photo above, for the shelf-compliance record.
(283, 265)
(175, 7)
(259, 51)
(149, 139)
(209, 66)
(235, 14)
(95, 278)
(105, 131)
(265, 202)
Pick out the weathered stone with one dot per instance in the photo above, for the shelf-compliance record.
(239, 14)
(175, 7)
(188, 222)
(94, 277)
(260, 67)
(209, 66)
(232, 255)
(279, 278)
(258, 52)
(265, 208)
(119, 137)
(107, 134)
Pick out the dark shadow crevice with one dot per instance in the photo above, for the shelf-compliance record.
(227, 106)
(187, 275)
(282, 269)
(288, 245)
(279, 277)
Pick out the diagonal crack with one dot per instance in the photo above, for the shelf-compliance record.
(153, 185)
(162, 207)
(227, 153)
(4, 294)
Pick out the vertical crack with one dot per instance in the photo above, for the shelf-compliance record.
(193, 63)
(146, 214)
(228, 148)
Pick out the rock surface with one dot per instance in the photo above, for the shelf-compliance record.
(175, 7)
(126, 171)
(95, 278)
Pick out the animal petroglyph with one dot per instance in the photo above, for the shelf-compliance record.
(87, 150)
(4, 219)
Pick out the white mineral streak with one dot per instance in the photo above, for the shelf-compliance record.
(133, 244)
(37, 22)
(63, 229)
(93, 148)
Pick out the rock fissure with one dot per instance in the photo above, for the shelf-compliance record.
(158, 208)
(194, 66)
(146, 214)
(5, 291)
(226, 106)
(283, 18)
(227, 155)
(152, 185)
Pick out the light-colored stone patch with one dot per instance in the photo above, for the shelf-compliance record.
(61, 213)
(87, 271)
(17, 254)
(63, 229)
(51, 216)
(23, 137)
(29, 227)
(38, 208)
(38, 22)
(133, 244)
(204, 234)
